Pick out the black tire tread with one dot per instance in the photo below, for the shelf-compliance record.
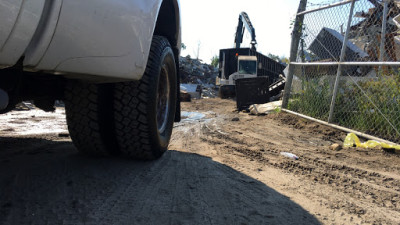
(86, 118)
(131, 99)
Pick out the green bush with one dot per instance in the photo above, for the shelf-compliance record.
(314, 100)
(353, 108)
(378, 114)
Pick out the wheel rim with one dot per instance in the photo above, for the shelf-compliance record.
(163, 99)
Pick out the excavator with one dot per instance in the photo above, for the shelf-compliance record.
(238, 63)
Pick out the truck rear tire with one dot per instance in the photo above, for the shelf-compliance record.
(134, 118)
(144, 110)
(89, 117)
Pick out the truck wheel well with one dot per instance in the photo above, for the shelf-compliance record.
(168, 22)
(168, 26)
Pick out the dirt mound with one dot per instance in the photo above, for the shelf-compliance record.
(309, 126)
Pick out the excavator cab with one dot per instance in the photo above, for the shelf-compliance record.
(247, 65)
(246, 68)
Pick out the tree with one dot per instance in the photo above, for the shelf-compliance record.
(215, 61)
(274, 57)
(279, 59)
(183, 46)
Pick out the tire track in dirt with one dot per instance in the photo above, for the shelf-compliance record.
(360, 184)
(116, 206)
(44, 181)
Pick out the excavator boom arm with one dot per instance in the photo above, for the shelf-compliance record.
(244, 22)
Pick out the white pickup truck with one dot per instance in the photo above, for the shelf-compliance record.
(113, 62)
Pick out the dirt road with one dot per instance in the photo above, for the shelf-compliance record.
(223, 167)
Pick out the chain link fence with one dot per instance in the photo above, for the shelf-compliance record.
(345, 70)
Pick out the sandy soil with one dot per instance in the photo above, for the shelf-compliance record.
(223, 167)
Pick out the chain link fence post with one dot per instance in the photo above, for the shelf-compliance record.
(383, 33)
(296, 35)
(339, 70)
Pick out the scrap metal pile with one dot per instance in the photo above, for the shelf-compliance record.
(368, 31)
(364, 42)
(195, 73)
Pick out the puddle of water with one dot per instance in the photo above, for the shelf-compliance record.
(191, 122)
(33, 122)
(191, 116)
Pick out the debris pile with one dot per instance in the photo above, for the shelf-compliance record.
(367, 33)
(193, 71)
(364, 42)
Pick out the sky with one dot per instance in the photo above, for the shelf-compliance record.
(210, 25)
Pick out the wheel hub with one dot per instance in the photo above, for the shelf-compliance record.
(163, 99)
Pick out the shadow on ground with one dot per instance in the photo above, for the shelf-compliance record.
(48, 182)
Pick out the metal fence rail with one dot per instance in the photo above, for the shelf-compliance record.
(344, 66)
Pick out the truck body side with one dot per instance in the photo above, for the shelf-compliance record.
(98, 39)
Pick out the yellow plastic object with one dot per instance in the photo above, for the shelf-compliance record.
(352, 139)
